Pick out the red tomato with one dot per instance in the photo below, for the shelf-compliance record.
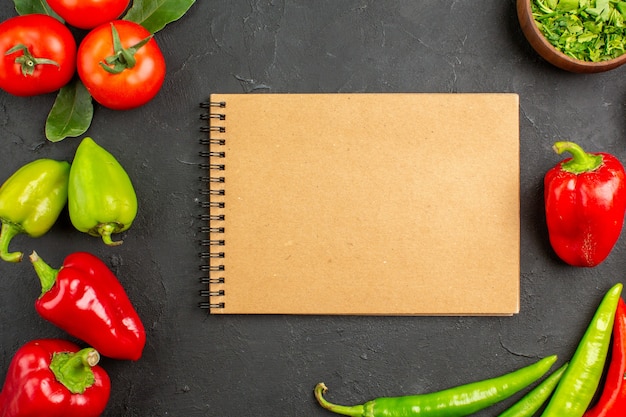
(132, 86)
(44, 57)
(87, 14)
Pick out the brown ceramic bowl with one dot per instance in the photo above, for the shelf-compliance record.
(553, 55)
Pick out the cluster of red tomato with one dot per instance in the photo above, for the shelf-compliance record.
(118, 61)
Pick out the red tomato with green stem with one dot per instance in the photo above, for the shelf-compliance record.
(87, 14)
(121, 65)
(37, 55)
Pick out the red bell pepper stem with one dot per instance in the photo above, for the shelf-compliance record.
(73, 370)
(581, 161)
(612, 401)
(47, 275)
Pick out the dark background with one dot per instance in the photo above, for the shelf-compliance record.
(200, 365)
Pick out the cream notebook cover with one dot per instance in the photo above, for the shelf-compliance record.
(363, 204)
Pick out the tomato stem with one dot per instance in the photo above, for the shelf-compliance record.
(123, 58)
(27, 61)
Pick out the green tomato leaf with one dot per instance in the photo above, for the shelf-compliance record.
(23, 7)
(71, 113)
(154, 15)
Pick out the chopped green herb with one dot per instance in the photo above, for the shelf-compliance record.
(587, 30)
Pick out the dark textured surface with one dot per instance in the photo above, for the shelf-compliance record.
(196, 365)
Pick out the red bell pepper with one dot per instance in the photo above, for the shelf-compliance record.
(85, 299)
(612, 401)
(54, 378)
(585, 202)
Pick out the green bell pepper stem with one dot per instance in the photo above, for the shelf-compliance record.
(73, 370)
(8, 232)
(106, 230)
(581, 161)
(457, 401)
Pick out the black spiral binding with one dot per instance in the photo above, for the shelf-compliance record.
(212, 218)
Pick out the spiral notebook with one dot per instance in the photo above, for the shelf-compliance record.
(361, 204)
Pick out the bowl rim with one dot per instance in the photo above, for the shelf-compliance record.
(550, 53)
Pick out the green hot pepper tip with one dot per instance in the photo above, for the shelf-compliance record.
(536, 398)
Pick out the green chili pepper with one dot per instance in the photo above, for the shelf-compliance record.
(452, 402)
(101, 197)
(31, 200)
(531, 402)
(578, 385)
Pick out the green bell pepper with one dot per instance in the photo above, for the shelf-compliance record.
(31, 200)
(101, 197)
